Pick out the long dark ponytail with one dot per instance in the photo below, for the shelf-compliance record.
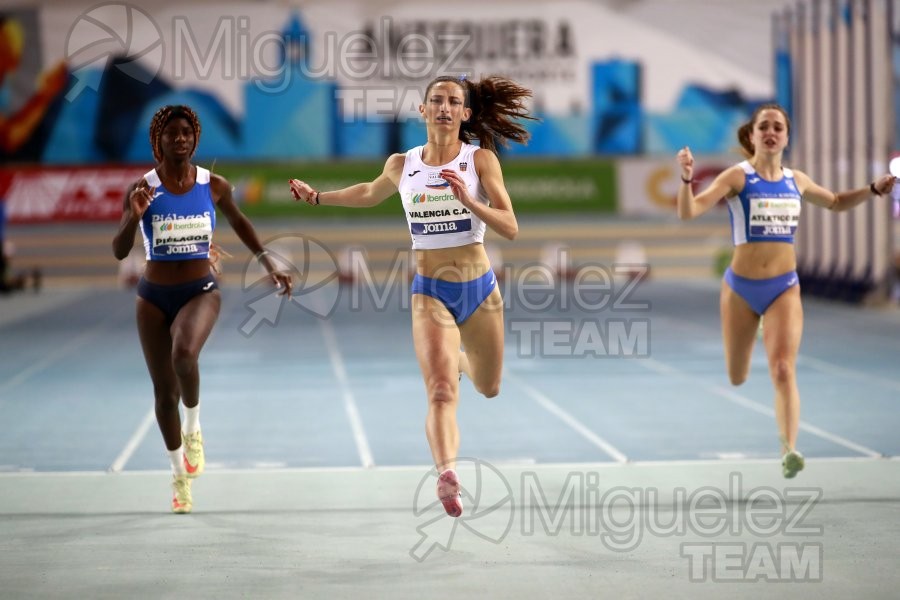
(497, 105)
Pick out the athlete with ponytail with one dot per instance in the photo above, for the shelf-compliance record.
(765, 199)
(451, 191)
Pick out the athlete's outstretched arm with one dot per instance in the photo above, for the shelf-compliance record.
(840, 201)
(221, 192)
(357, 196)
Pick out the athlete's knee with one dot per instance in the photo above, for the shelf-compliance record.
(737, 379)
(488, 389)
(184, 360)
(441, 392)
(166, 399)
(737, 376)
(782, 370)
(491, 392)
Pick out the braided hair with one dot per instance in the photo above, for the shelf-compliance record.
(497, 104)
(162, 118)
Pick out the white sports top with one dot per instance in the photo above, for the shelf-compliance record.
(436, 218)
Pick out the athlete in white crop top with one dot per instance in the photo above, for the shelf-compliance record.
(450, 191)
(436, 217)
(178, 297)
(764, 199)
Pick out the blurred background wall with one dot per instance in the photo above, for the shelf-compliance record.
(329, 89)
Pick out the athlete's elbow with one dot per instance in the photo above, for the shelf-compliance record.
(119, 253)
(511, 232)
(367, 200)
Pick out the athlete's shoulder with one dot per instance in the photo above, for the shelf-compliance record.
(802, 181)
(395, 162)
(734, 179)
(485, 159)
(484, 154)
(217, 186)
(212, 178)
(738, 172)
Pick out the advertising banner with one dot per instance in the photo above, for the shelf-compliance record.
(44, 195)
(647, 186)
(534, 187)
(57, 194)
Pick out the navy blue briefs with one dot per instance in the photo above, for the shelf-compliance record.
(171, 298)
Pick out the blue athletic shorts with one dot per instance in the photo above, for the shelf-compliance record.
(171, 298)
(461, 298)
(760, 293)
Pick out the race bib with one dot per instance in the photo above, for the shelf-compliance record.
(774, 217)
(434, 213)
(182, 237)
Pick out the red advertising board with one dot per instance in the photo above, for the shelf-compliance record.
(60, 194)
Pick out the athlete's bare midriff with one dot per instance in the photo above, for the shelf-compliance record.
(176, 271)
(763, 260)
(462, 263)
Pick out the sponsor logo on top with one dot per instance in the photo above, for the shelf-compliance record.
(787, 203)
(435, 181)
(422, 198)
(181, 225)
